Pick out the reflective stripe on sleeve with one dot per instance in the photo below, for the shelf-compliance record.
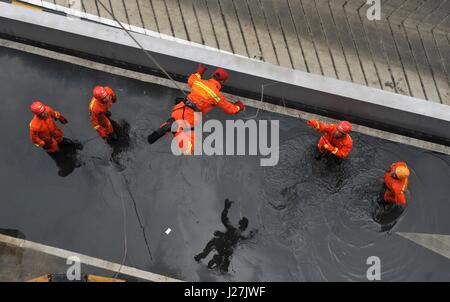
(404, 186)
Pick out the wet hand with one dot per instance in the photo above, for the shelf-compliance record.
(228, 203)
(201, 69)
(312, 123)
(253, 233)
(102, 132)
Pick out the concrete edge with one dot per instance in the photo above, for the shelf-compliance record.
(299, 90)
(95, 262)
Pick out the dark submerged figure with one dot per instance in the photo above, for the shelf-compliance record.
(224, 243)
(386, 214)
(120, 142)
(66, 158)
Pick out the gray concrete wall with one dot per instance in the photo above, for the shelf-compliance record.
(298, 89)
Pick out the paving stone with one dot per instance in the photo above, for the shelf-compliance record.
(162, 19)
(176, 19)
(407, 51)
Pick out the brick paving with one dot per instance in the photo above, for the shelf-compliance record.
(407, 51)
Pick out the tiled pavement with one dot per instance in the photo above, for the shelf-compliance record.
(407, 51)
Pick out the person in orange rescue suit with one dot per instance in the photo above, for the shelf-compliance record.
(205, 95)
(396, 181)
(43, 130)
(102, 100)
(335, 140)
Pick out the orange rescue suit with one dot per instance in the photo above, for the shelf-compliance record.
(396, 188)
(98, 109)
(205, 94)
(341, 147)
(44, 132)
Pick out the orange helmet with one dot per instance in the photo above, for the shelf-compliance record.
(402, 172)
(100, 93)
(344, 127)
(220, 74)
(37, 107)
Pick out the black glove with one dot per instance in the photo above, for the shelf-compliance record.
(108, 114)
(63, 120)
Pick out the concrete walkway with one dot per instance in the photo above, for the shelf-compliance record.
(23, 260)
(407, 51)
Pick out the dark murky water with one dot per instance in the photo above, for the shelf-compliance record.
(315, 220)
(340, 204)
(224, 243)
